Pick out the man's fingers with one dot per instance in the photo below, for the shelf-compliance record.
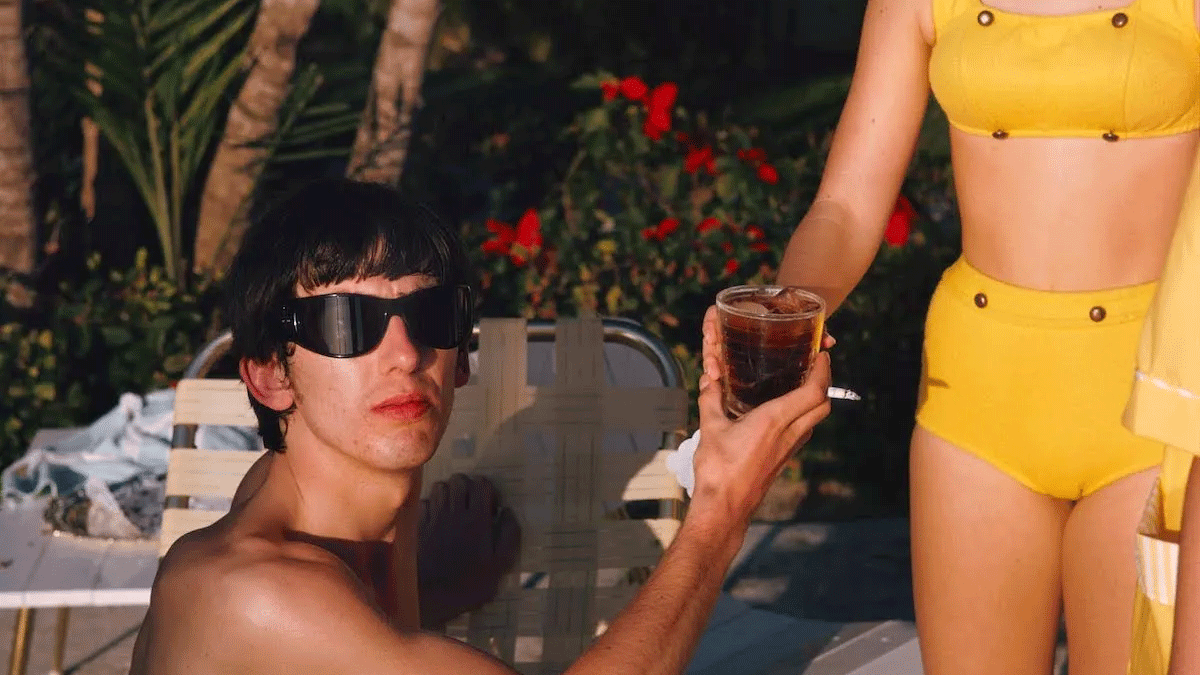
(709, 402)
(708, 329)
(821, 376)
(425, 512)
(460, 491)
(508, 538)
(483, 496)
(439, 499)
(800, 430)
(710, 345)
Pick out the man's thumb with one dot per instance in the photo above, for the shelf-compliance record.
(709, 402)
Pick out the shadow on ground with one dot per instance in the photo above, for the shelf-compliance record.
(858, 570)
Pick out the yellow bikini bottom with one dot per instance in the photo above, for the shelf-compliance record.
(1035, 382)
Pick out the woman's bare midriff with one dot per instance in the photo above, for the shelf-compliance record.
(1070, 214)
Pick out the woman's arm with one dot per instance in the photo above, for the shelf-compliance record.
(838, 238)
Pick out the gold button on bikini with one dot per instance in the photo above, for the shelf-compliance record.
(1097, 314)
(1000, 134)
(1120, 19)
(980, 300)
(1110, 137)
(985, 18)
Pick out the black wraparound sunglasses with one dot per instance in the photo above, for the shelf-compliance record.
(344, 325)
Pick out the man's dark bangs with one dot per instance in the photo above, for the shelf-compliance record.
(389, 252)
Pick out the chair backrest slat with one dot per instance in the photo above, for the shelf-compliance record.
(178, 522)
(204, 472)
(207, 473)
(220, 402)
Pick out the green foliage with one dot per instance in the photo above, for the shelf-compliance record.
(646, 228)
(156, 76)
(66, 360)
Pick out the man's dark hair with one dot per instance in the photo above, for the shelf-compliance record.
(320, 233)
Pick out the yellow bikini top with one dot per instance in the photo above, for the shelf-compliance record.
(1122, 73)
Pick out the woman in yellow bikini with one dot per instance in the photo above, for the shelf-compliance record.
(1165, 406)
(1074, 124)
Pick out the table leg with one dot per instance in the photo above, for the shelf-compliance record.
(60, 639)
(22, 635)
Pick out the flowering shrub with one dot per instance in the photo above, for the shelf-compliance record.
(657, 210)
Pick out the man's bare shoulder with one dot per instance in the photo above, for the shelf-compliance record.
(229, 543)
(246, 565)
(293, 607)
(217, 582)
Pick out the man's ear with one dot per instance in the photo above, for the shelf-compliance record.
(267, 383)
(462, 369)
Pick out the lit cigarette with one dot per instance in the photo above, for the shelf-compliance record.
(844, 394)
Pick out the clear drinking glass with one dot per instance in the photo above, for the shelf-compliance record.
(771, 335)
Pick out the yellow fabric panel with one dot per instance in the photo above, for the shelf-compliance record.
(1129, 72)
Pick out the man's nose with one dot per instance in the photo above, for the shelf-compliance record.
(397, 348)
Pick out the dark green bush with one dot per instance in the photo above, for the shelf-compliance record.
(66, 360)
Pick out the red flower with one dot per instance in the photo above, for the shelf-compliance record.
(529, 229)
(633, 88)
(707, 225)
(754, 233)
(768, 174)
(666, 227)
(658, 110)
(521, 243)
(752, 155)
(727, 247)
(899, 225)
(760, 247)
(497, 227)
(495, 247)
(663, 97)
(731, 266)
(610, 89)
(528, 239)
(696, 158)
(502, 242)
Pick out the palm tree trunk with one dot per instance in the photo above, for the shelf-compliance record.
(18, 226)
(382, 140)
(236, 166)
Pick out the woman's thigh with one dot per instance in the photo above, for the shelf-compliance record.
(1100, 574)
(987, 564)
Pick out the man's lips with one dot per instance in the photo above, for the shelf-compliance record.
(406, 407)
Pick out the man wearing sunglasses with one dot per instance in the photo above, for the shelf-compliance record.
(350, 308)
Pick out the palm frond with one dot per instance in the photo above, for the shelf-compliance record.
(158, 75)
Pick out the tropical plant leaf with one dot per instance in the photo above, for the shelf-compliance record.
(158, 75)
(311, 119)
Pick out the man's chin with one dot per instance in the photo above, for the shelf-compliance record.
(411, 448)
